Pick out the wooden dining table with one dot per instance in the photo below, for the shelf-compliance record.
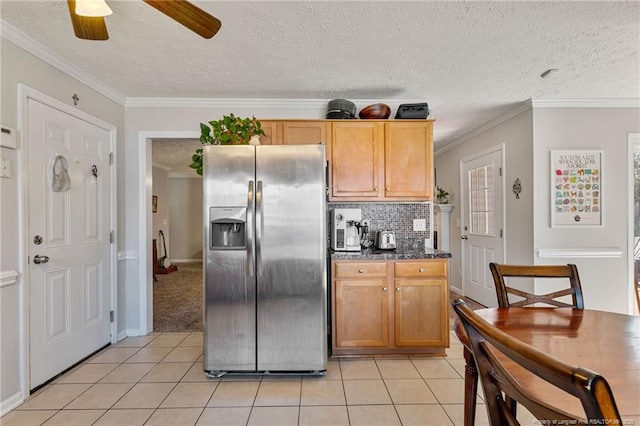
(605, 342)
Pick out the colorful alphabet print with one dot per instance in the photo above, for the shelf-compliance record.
(576, 184)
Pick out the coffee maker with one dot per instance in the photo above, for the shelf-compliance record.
(345, 229)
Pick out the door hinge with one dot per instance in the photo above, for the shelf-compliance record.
(110, 316)
(501, 233)
(111, 237)
(500, 170)
(111, 158)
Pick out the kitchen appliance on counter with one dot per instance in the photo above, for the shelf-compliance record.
(385, 240)
(345, 229)
(265, 286)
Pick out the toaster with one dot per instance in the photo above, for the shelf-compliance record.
(385, 240)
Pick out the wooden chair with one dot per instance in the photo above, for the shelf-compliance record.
(569, 271)
(502, 390)
(499, 272)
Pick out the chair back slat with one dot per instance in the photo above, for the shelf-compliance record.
(503, 391)
(569, 271)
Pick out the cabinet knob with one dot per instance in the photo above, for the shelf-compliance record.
(384, 289)
(397, 288)
(421, 269)
(388, 189)
(361, 271)
(375, 188)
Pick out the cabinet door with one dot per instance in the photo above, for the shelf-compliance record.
(361, 313)
(408, 156)
(356, 160)
(421, 312)
(304, 132)
(272, 133)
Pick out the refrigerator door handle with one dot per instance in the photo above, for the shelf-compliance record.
(259, 227)
(250, 227)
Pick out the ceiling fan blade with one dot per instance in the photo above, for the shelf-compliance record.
(85, 27)
(189, 15)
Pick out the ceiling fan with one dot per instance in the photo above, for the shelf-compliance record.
(89, 23)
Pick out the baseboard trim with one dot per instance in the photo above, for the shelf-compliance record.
(186, 260)
(10, 403)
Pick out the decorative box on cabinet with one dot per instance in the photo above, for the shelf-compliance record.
(390, 307)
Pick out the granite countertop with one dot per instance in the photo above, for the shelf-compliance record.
(399, 253)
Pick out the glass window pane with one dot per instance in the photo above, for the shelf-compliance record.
(489, 176)
(481, 224)
(490, 223)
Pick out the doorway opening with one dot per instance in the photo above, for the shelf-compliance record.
(176, 216)
(634, 146)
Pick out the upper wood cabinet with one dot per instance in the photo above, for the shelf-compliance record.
(356, 159)
(369, 160)
(294, 132)
(304, 132)
(377, 160)
(408, 160)
(272, 130)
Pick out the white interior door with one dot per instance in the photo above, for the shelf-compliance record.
(482, 224)
(68, 235)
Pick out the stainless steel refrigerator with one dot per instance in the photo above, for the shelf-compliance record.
(265, 286)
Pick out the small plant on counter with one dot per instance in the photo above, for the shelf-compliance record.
(442, 196)
(229, 130)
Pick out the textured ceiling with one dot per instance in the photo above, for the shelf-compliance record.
(471, 61)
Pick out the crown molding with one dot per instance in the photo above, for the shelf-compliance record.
(224, 103)
(523, 107)
(305, 104)
(586, 103)
(184, 175)
(11, 33)
(161, 166)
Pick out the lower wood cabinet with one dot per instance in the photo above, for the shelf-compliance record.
(390, 307)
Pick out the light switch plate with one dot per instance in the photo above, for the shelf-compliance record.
(5, 168)
(419, 224)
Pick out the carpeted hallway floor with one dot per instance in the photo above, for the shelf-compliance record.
(177, 300)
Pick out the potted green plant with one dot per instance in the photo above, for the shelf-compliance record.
(229, 130)
(442, 196)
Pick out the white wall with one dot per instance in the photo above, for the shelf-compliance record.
(516, 135)
(185, 218)
(531, 135)
(605, 281)
(18, 66)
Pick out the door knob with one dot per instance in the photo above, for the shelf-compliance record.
(37, 259)
(464, 237)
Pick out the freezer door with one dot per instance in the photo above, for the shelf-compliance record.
(291, 258)
(229, 284)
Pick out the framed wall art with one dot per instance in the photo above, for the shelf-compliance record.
(576, 188)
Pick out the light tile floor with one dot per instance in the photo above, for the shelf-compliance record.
(158, 380)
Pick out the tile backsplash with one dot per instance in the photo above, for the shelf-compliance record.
(397, 217)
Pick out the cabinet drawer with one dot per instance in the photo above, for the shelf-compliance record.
(437, 268)
(360, 270)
